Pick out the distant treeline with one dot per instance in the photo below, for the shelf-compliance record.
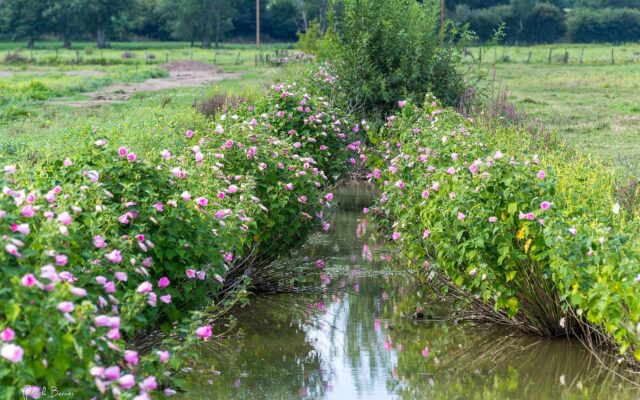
(203, 22)
(208, 22)
(532, 21)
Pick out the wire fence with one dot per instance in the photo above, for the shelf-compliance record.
(558, 54)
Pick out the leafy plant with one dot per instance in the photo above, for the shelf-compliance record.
(397, 56)
(308, 41)
(540, 238)
(104, 245)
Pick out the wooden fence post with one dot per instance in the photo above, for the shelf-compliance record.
(549, 59)
(581, 55)
(612, 59)
(529, 57)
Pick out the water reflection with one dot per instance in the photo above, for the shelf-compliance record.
(360, 340)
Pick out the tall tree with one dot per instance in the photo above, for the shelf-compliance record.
(98, 15)
(280, 22)
(244, 23)
(309, 10)
(65, 18)
(25, 19)
(147, 19)
(202, 19)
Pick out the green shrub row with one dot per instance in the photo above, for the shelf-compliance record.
(104, 245)
(544, 22)
(539, 237)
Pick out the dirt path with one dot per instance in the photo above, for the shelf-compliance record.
(181, 74)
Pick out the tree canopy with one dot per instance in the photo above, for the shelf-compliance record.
(208, 22)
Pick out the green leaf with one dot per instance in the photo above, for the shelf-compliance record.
(12, 310)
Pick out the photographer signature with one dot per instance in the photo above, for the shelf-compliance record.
(37, 392)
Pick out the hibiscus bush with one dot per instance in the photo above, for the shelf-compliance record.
(540, 238)
(104, 245)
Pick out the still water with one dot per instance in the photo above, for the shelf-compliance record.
(359, 339)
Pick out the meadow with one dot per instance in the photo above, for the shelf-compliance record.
(559, 96)
(590, 105)
(228, 176)
(36, 118)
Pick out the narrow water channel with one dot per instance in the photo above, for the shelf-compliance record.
(359, 339)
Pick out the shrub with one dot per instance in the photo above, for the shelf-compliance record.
(213, 105)
(13, 112)
(604, 25)
(308, 41)
(540, 23)
(14, 58)
(105, 245)
(539, 238)
(36, 90)
(386, 50)
(484, 22)
(544, 23)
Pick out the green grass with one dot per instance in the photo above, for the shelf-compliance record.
(50, 74)
(229, 56)
(593, 107)
(591, 54)
(146, 123)
(135, 45)
(41, 83)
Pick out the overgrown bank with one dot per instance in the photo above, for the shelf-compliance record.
(103, 244)
(539, 238)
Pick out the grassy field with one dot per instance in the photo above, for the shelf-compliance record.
(594, 106)
(36, 119)
(232, 56)
(144, 123)
(575, 54)
(28, 77)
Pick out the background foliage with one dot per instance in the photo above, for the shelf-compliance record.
(211, 21)
(399, 55)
